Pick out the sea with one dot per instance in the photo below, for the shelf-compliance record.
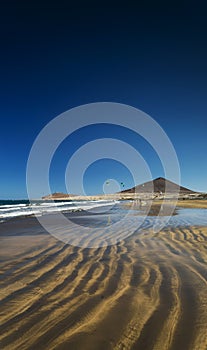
(17, 208)
(11, 209)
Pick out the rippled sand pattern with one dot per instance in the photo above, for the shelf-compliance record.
(147, 292)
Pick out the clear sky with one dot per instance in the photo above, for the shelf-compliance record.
(57, 55)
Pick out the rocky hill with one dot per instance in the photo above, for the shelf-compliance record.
(158, 186)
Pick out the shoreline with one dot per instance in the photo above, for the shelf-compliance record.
(146, 291)
(143, 205)
(193, 201)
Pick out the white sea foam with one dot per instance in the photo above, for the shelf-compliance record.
(17, 210)
(12, 206)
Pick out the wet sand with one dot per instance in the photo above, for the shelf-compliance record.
(147, 292)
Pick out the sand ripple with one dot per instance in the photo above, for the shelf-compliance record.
(147, 292)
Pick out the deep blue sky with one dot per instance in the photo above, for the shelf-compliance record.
(55, 56)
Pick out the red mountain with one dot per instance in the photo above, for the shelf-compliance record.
(158, 185)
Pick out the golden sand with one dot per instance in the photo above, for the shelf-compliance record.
(147, 292)
(198, 203)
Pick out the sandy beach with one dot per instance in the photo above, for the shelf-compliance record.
(146, 292)
(103, 183)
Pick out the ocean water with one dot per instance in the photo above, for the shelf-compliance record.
(10, 209)
(17, 208)
(184, 218)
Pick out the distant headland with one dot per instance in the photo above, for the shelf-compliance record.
(155, 189)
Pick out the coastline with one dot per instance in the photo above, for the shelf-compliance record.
(147, 291)
(184, 201)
